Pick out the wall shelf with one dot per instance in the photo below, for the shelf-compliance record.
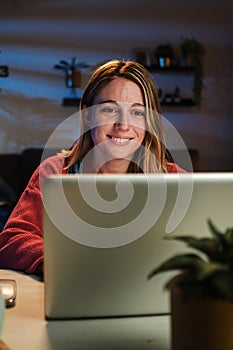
(171, 69)
(169, 97)
(71, 102)
(185, 102)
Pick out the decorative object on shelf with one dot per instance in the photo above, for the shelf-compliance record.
(177, 95)
(193, 52)
(4, 71)
(175, 99)
(164, 54)
(168, 99)
(202, 295)
(143, 56)
(172, 98)
(73, 78)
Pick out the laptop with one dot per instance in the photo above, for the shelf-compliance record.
(103, 235)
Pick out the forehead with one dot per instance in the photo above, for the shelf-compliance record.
(120, 90)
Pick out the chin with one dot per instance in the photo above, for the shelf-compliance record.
(120, 157)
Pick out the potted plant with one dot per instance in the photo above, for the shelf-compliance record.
(164, 54)
(202, 294)
(72, 70)
(73, 79)
(193, 52)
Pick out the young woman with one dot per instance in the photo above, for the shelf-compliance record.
(121, 132)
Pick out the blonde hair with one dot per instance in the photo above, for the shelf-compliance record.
(151, 157)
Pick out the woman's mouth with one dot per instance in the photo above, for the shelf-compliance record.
(120, 140)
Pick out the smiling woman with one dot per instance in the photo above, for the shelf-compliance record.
(121, 131)
(129, 92)
(118, 119)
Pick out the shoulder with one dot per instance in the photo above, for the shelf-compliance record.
(174, 168)
(49, 166)
(54, 164)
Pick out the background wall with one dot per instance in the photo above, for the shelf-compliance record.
(35, 35)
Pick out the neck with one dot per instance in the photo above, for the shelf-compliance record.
(115, 166)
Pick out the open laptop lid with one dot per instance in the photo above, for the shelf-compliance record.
(103, 235)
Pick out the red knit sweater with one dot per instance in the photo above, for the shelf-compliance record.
(21, 241)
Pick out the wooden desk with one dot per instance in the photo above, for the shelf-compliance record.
(25, 327)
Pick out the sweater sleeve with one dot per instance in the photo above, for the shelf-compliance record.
(21, 241)
(174, 168)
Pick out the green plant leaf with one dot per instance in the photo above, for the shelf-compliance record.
(182, 278)
(207, 268)
(221, 239)
(222, 282)
(197, 290)
(210, 277)
(195, 272)
(178, 262)
(229, 258)
(205, 245)
(229, 236)
(216, 233)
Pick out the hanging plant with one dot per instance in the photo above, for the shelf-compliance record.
(193, 52)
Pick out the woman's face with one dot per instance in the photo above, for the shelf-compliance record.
(118, 123)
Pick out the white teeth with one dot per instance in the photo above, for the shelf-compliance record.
(117, 139)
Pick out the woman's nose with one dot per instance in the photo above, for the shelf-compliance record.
(123, 121)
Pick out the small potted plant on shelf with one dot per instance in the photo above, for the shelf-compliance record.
(193, 52)
(202, 294)
(73, 78)
(164, 54)
(72, 70)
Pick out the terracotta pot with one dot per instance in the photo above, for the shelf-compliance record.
(201, 324)
(73, 78)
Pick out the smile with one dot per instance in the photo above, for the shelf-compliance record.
(120, 140)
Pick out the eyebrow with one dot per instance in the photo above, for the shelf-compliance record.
(117, 103)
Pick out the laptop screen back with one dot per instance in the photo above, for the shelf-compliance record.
(104, 234)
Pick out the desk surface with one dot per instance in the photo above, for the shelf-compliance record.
(25, 327)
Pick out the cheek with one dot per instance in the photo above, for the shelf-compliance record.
(94, 136)
(98, 121)
(97, 134)
(140, 126)
(141, 132)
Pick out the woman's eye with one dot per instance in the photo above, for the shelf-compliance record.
(109, 110)
(138, 113)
